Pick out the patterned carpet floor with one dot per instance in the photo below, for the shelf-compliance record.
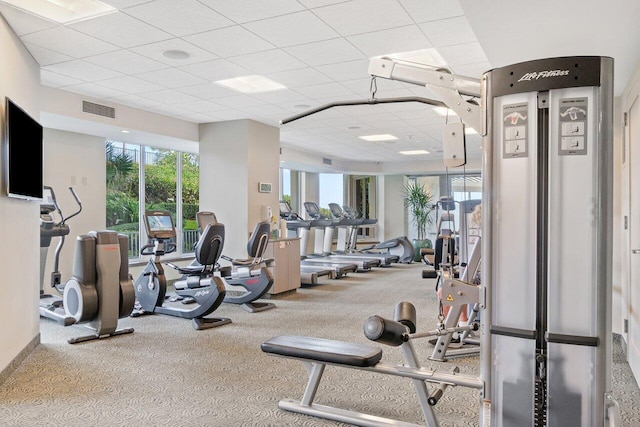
(168, 374)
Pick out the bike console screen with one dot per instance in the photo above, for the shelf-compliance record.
(159, 225)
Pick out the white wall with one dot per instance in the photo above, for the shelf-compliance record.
(19, 256)
(234, 157)
(78, 161)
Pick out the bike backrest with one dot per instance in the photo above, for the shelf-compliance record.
(208, 248)
(258, 240)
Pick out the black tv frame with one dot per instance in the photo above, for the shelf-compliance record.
(22, 160)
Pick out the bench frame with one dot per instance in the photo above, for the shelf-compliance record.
(410, 369)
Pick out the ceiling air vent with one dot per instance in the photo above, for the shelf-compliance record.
(326, 161)
(97, 109)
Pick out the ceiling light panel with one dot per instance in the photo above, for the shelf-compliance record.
(63, 11)
(379, 137)
(251, 84)
(413, 152)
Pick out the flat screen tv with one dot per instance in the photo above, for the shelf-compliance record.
(22, 154)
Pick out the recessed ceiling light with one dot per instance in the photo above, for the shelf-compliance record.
(380, 137)
(251, 84)
(413, 152)
(176, 54)
(429, 57)
(125, 131)
(63, 11)
(444, 111)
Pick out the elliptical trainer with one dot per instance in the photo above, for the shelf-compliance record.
(207, 290)
(51, 305)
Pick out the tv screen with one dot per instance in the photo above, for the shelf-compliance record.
(22, 153)
(159, 225)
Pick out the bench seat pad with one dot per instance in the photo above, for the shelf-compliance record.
(324, 350)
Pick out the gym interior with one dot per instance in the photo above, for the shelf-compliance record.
(435, 200)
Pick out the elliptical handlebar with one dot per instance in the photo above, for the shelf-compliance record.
(78, 201)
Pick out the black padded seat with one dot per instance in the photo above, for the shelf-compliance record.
(324, 350)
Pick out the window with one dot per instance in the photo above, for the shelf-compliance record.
(168, 180)
(331, 189)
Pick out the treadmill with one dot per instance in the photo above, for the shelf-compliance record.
(311, 271)
(324, 240)
(348, 232)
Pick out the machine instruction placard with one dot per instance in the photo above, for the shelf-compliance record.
(515, 121)
(573, 127)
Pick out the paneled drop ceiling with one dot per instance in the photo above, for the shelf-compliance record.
(319, 50)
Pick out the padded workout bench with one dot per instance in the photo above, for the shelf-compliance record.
(316, 353)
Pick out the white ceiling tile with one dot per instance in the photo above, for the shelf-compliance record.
(134, 101)
(230, 114)
(247, 10)
(475, 70)
(432, 10)
(200, 106)
(171, 78)
(401, 39)
(467, 53)
(155, 51)
(95, 91)
(363, 16)
(179, 18)
(169, 96)
(312, 4)
(121, 4)
(208, 91)
(121, 29)
(215, 70)
(270, 61)
(82, 70)
(130, 84)
(198, 118)
(346, 70)
(326, 52)
(49, 78)
(301, 77)
(46, 56)
(282, 97)
(240, 101)
(447, 32)
(266, 110)
(69, 42)
(230, 41)
(126, 62)
(22, 22)
(324, 90)
(293, 29)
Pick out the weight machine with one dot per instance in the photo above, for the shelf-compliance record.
(545, 297)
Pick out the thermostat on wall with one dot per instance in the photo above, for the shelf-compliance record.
(264, 187)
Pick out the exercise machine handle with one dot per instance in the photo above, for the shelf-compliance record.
(75, 196)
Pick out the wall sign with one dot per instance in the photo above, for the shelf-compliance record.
(573, 127)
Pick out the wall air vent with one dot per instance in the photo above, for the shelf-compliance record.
(97, 109)
(326, 161)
